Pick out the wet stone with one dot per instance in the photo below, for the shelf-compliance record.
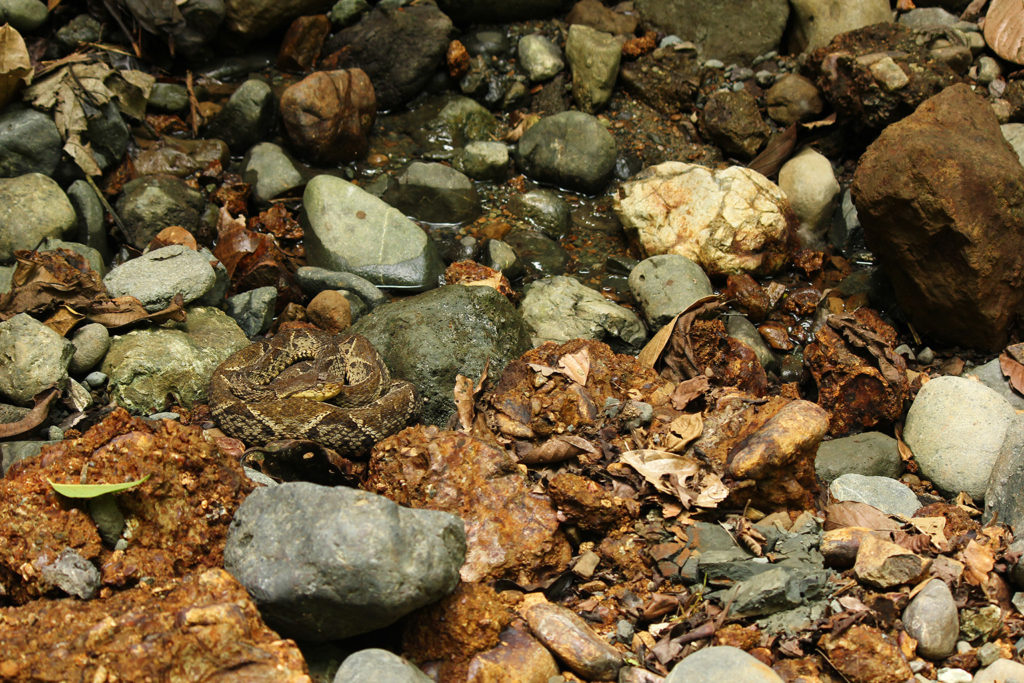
(483, 160)
(545, 209)
(593, 57)
(666, 285)
(793, 98)
(149, 204)
(742, 329)
(313, 280)
(575, 643)
(247, 117)
(181, 158)
(572, 150)
(328, 115)
(29, 142)
(539, 57)
(364, 561)
(270, 171)
(434, 193)
(518, 656)
(540, 255)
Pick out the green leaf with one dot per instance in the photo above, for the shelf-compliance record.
(93, 490)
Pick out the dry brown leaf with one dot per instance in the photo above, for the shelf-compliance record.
(1013, 371)
(688, 390)
(63, 320)
(677, 475)
(934, 528)
(33, 418)
(779, 148)
(15, 64)
(545, 370)
(649, 355)
(979, 561)
(576, 366)
(850, 513)
(1004, 29)
(174, 234)
(683, 430)
(905, 5)
(906, 455)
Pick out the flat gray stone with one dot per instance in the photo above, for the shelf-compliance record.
(888, 495)
(666, 285)
(871, 454)
(484, 160)
(1004, 498)
(721, 663)
(32, 208)
(24, 15)
(157, 276)
(32, 358)
(738, 327)
(955, 428)
(325, 563)
(348, 229)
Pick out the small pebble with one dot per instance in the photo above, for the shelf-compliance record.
(165, 416)
(330, 310)
(95, 379)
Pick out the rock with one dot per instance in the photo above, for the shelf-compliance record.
(169, 97)
(1004, 497)
(733, 122)
(732, 31)
(955, 428)
(779, 588)
(149, 204)
(270, 171)
(253, 311)
(666, 79)
(885, 565)
(877, 75)
(1014, 134)
(329, 114)
(347, 12)
(991, 376)
(511, 532)
(595, 15)
(91, 342)
(593, 57)
(216, 608)
(484, 161)
(152, 369)
(255, 18)
(374, 664)
(419, 33)
(29, 142)
(32, 208)
(35, 358)
(575, 643)
(73, 574)
(871, 454)
(325, 563)
(181, 157)
(23, 15)
(518, 656)
(539, 255)
(348, 229)
(674, 208)
(247, 118)
(545, 209)
(571, 150)
(666, 285)
(865, 653)
(931, 619)
(888, 495)
(540, 58)
(739, 327)
(434, 193)
(156, 277)
(793, 98)
(721, 663)
(470, 11)
(817, 22)
(810, 184)
(330, 310)
(980, 622)
(315, 280)
(984, 187)
(430, 338)
(1000, 671)
(92, 231)
(302, 42)
(486, 43)
(459, 122)
(16, 451)
(560, 308)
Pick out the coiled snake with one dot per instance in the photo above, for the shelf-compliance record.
(308, 384)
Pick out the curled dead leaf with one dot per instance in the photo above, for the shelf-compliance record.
(576, 366)
(681, 431)
(681, 476)
(979, 561)
(15, 64)
(33, 418)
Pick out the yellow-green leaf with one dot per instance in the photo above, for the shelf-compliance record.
(93, 490)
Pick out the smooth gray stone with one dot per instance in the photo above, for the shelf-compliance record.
(1004, 498)
(91, 342)
(92, 230)
(32, 208)
(35, 358)
(247, 118)
(253, 310)
(738, 327)
(484, 160)
(29, 142)
(571, 149)
(434, 193)
(314, 280)
(991, 376)
(872, 454)
(24, 15)
(931, 618)
(545, 209)
(348, 229)
(149, 204)
(667, 284)
(271, 171)
(168, 97)
(721, 663)
(325, 563)
(373, 665)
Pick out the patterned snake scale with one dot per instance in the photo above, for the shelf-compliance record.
(308, 384)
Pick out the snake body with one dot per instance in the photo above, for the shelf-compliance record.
(308, 384)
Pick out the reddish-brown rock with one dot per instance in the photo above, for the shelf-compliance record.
(941, 197)
(329, 114)
(302, 43)
(510, 531)
(200, 627)
(864, 653)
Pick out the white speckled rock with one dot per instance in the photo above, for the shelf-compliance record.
(955, 428)
(729, 221)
